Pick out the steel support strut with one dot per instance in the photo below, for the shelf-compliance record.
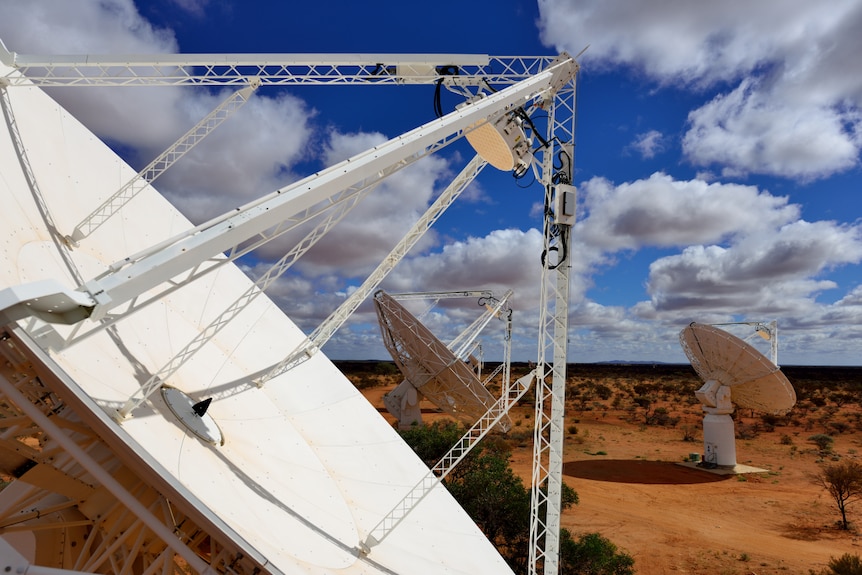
(546, 507)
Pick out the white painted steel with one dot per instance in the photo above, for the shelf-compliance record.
(465, 339)
(308, 467)
(754, 381)
(271, 69)
(163, 161)
(766, 330)
(132, 277)
(548, 437)
(719, 439)
(336, 319)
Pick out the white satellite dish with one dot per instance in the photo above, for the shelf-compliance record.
(734, 373)
(283, 478)
(430, 369)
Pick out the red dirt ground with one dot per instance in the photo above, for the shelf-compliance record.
(676, 519)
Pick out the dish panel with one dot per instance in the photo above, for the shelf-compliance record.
(754, 381)
(308, 466)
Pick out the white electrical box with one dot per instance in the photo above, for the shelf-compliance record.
(565, 198)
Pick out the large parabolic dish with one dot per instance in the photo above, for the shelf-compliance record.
(754, 381)
(429, 365)
(734, 374)
(307, 466)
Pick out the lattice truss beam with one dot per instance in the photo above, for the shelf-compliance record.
(83, 507)
(271, 69)
(180, 260)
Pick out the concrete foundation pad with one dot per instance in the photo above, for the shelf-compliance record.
(737, 469)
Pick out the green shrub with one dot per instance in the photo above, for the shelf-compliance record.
(824, 442)
(592, 554)
(497, 500)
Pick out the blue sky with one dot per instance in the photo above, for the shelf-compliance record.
(717, 158)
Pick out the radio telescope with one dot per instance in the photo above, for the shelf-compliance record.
(430, 369)
(214, 474)
(734, 374)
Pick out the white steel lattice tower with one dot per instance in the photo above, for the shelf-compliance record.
(557, 173)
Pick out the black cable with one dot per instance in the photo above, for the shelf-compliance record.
(564, 255)
(562, 174)
(521, 113)
(488, 85)
(520, 176)
(447, 70)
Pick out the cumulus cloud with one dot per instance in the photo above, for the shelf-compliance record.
(251, 154)
(744, 253)
(501, 260)
(195, 7)
(371, 229)
(761, 273)
(749, 130)
(794, 110)
(247, 156)
(664, 212)
(133, 116)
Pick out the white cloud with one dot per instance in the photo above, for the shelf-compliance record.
(133, 116)
(753, 130)
(367, 234)
(81, 27)
(649, 143)
(196, 7)
(504, 259)
(767, 272)
(795, 109)
(696, 42)
(661, 211)
(246, 157)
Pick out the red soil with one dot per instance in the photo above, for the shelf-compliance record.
(677, 519)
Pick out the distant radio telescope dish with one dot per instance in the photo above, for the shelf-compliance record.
(734, 373)
(430, 369)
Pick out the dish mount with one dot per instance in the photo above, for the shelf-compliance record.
(734, 374)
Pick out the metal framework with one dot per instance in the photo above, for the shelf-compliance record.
(125, 533)
(100, 509)
(336, 319)
(448, 462)
(445, 366)
(428, 364)
(162, 162)
(553, 337)
(272, 69)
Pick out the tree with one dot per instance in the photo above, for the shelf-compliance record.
(843, 481)
(497, 500)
